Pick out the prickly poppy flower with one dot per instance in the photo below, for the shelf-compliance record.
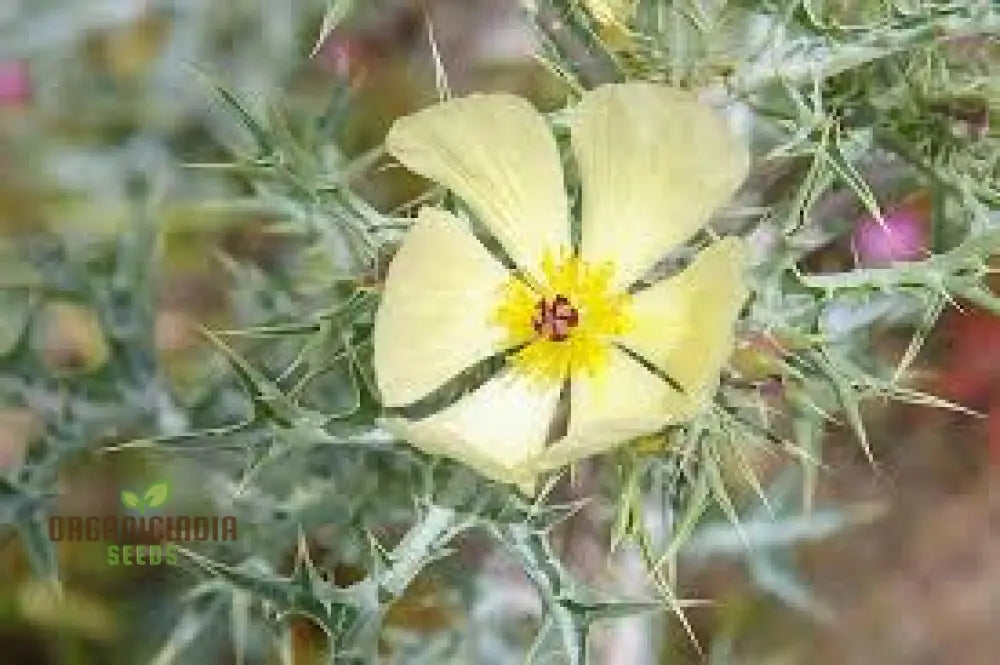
(15, 83)
(900, 236)
(654, 164)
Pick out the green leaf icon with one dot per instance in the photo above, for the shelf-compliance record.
(130, 499)
(157, 495)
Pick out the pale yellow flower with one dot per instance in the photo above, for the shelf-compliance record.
(654, 164)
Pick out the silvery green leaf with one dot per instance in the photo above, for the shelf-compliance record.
(16, 308)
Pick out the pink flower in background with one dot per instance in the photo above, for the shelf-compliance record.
(337, 55)
(15, 83)
(901, 236)
(348, 53)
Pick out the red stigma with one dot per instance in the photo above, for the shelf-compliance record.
(554, 318)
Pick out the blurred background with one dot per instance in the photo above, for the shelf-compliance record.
(106, 106)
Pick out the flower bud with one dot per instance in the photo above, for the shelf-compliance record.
(902, 234)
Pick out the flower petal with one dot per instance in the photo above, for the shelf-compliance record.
(623, 401)
(435, 319)
(655, 164)
(685, 325)
(497, 153)
(682, 326)
(498, 429)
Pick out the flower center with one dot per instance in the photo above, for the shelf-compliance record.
(565, 324)
(554, 318)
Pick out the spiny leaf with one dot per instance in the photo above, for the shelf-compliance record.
(268, 398)
(16, 305)
(788, 588)
(186, 630)
(932, 312)
(719, 491)
(336, 12)
(850, 401)
(40, 548)
(694, 509)
(440, 73)
(262, 137)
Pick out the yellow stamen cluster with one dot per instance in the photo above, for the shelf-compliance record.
(603, 313)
